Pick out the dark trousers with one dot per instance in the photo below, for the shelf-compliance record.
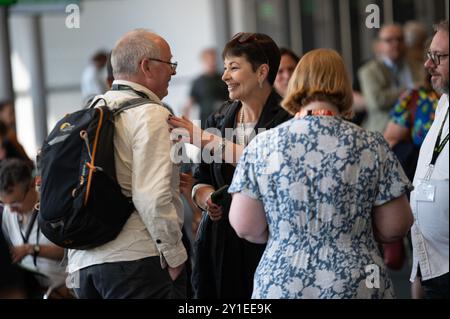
(436, 288)
(137, 279)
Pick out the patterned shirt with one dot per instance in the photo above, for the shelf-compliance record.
(319, 179)
(415, 110)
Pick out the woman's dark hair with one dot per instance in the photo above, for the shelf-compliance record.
(285, 51)
(257, 48)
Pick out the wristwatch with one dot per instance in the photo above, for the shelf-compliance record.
(36, 250)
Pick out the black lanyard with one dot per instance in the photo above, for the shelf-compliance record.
(439, 146)
(121, 87)
(26, 237)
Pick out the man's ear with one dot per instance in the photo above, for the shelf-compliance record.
(146, 68)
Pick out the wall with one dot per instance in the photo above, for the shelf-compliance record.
(188, 26)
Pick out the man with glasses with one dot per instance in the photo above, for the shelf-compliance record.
(384, 78)
(429, 200)
(30, 249)
(147, 258)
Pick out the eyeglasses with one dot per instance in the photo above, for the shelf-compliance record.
(248, 37)
(435, 57)
(173, 65)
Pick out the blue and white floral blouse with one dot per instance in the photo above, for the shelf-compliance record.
(319, 178)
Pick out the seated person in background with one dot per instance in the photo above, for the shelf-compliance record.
(30, 249)
(10, 279)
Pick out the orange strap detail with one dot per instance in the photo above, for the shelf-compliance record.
(91, 165)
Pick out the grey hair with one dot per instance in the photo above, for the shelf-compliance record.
(441, 26)
(415, 33)
(131, 49)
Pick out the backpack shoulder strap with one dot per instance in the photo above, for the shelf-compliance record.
(133, 103)
(93, 103)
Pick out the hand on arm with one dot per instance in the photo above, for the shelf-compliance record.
(45, 251)
(20, 252)
(185, 131)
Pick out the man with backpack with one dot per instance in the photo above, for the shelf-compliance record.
(146, 259)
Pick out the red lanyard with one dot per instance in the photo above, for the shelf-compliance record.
(320, 112)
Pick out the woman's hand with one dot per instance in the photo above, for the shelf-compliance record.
(184, 130)
(214, 211)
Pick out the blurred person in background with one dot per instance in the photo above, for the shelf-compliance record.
(288, 63)
(411, 119)
(387, 76)
(29, 247)
(93, 79)
(10, 146)
(208, 91)
(416, 36)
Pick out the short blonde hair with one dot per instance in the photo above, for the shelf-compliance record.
(320, 76)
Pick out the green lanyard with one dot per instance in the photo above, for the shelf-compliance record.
(439, 146)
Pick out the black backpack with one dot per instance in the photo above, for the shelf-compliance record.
(82, 205)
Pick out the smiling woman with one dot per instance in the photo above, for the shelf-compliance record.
(225, 264)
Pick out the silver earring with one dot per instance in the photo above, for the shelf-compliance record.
(260, 84)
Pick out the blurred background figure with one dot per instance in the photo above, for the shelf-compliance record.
(11, 285)
(93, 80)
(415, 37)
(109, 72)
(9, 145)
(29, 248)
(7, 114)
(288, 63)
(384, 78)
(208, 91)
(411, 118)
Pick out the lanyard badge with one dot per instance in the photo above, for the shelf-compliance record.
(425, 190)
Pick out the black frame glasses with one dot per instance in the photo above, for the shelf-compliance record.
(173, 65)
(435, 57)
